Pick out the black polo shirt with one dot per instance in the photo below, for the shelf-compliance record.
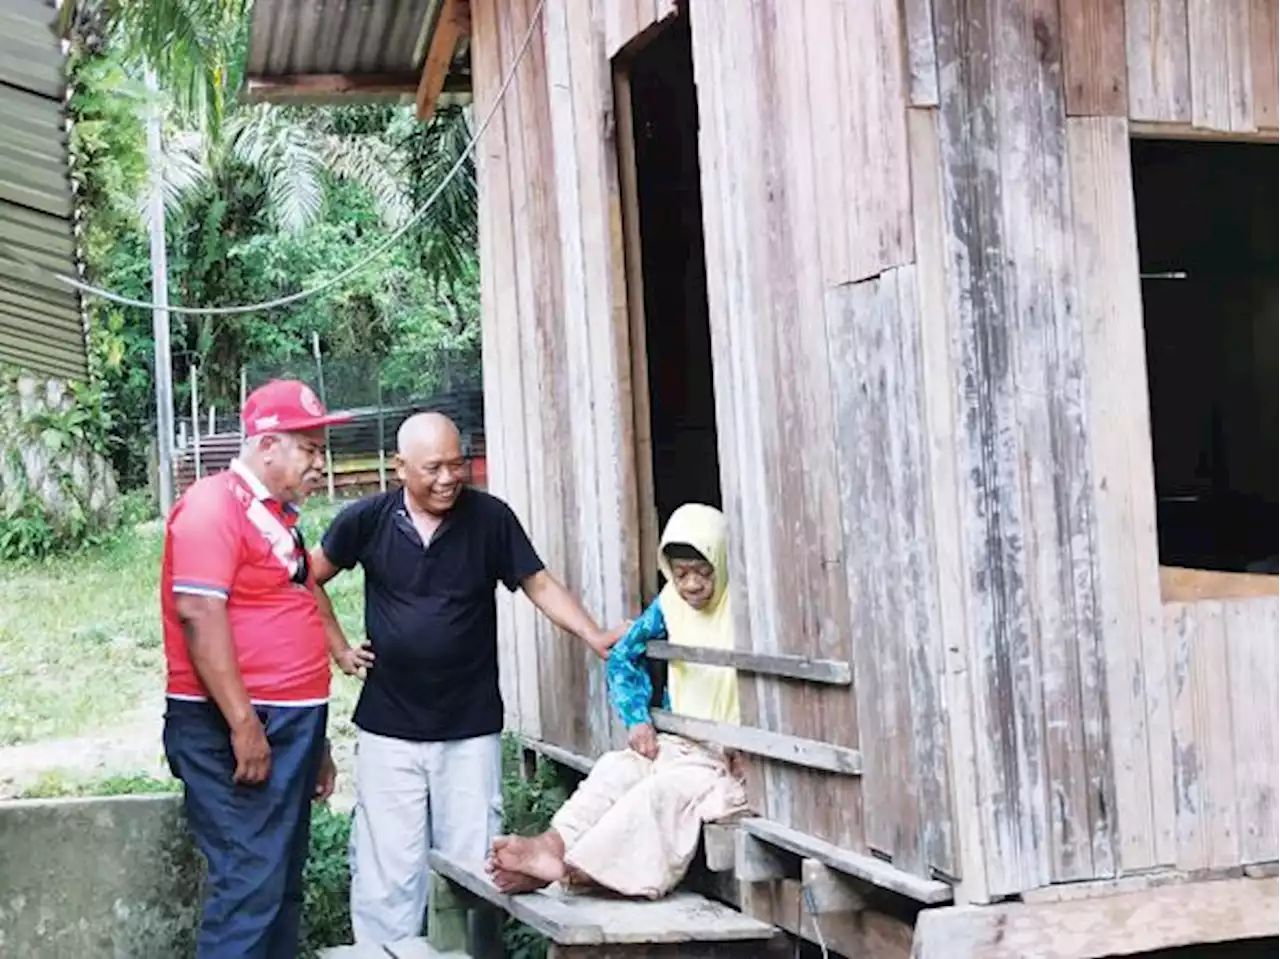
(430, 612)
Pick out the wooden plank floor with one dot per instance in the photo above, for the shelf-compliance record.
(581, 920)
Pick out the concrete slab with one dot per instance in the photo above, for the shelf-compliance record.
(98, 879)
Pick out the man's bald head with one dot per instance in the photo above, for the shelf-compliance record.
(430, 463)
(428, 434)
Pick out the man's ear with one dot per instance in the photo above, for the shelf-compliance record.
(268, 446)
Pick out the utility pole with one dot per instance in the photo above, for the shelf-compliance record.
(160, 299)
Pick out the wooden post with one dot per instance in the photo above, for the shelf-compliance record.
(382, 442)
(328, 452)
(195, 419)
(160, 299)
(446, 917)
(213, 421)
(244, 392)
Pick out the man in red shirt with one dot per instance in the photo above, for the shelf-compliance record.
(248, 675)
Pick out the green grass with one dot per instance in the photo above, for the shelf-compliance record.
(55, 784)
(80, 638)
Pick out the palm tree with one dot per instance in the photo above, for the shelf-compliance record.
(292, 155)
(196, 47)
(197, 50)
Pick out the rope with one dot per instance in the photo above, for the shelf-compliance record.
(376, 252)
(807, 895)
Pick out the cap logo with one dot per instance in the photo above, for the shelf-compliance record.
(267, 422)
(310, 403)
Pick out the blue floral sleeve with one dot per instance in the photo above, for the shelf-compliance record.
(630, 689)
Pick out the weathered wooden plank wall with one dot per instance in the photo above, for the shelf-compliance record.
(626, 21)
(832, 558)
(1034, 643)
(557, 366)
(1070, 706)
(1207, 64)
(931, 407)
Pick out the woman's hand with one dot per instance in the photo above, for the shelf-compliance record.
(644, 740)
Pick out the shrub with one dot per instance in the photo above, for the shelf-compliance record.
(57, 489)
(326, 907)
(527, 807)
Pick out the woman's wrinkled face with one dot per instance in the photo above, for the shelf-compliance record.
(695, 581)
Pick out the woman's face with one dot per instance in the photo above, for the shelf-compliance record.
(695, 581)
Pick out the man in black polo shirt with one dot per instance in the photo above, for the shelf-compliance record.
(428, 752)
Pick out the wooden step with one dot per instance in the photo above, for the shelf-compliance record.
(575, 919)
(406, 949)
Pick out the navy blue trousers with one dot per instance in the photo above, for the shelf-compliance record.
(255, 838)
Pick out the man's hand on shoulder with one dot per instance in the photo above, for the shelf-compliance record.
(644, 740)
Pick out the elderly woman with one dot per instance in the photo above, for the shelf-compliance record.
(633, 825)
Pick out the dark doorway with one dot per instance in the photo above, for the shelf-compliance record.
(664, 124)
(1207, 243)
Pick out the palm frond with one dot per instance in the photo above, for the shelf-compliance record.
(285, 156)
(448, 234)
(373, 164)
(193, 45)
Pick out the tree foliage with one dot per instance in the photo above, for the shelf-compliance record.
(261, 202)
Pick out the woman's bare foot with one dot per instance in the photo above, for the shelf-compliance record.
(515, 883)
(539, 857)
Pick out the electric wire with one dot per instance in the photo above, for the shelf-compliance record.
(376, 252)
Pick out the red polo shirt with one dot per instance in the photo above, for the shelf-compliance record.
(227, 538)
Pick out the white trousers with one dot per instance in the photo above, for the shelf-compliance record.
(633, 824)
(412, 797)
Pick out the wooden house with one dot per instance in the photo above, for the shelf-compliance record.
(965, 311)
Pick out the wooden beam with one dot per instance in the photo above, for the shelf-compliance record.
(828, 891)
(809, 753)
(719, 846)
(321, 86)
(755, 861)
(1144, 129)
(453, 24)
(865, 933)
(867, 868)
(1198, 913)
(1193, 585)
(829, 671)
(558, 754)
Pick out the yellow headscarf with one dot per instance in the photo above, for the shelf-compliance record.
(702, 692)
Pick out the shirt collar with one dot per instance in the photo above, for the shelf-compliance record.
(256, 486)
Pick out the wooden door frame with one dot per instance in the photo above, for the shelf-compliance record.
(635, 402)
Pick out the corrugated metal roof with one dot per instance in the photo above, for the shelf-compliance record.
(41, 320)
(347, 37)
(369, 49)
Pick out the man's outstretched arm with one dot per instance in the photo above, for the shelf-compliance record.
(563, 608)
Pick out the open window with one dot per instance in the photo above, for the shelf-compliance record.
(1206, 214)
(667, 280)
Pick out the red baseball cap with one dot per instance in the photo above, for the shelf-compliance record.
(285, 406)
